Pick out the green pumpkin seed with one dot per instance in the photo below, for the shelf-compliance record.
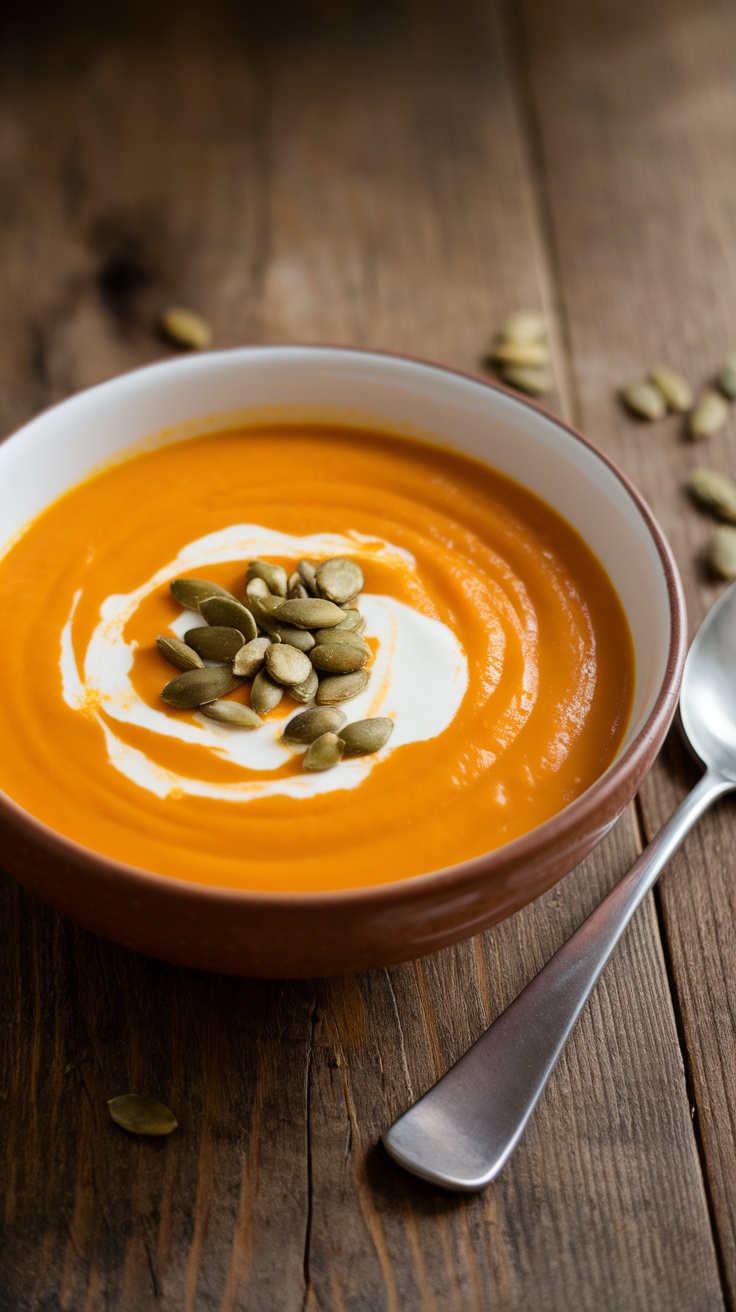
(216, 643)
(339, 579)
(338, 657)
(328, 637)
(141, 1115)
(521, 353)
(721, 551)
(295, 589)
(305, 692)
(234, 713)
(178, 653)
(708, 415)
(190, 592)
(353, 620)
(197, 687)
(308, 575)
(299, 638)
(535, 380)
(226, 612)
(727, 378)
(644, 400)
(264, 693)
(363, 737)
(524, 326)
(309, 725)
(341, 687)
(323, 753)
(674, 388)
(714, 490)
(256, 588)
(250, 658)
(309, 613)
(286, 664)
(185, 328)
(274, 576)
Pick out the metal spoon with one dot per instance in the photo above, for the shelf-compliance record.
(466, 1126)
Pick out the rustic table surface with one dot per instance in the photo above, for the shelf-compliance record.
(400, 175)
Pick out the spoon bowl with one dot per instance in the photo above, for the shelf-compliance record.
(708, 693)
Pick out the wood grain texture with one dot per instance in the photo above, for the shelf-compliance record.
(635, 110)
(361, 173)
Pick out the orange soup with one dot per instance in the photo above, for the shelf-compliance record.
(500, 651)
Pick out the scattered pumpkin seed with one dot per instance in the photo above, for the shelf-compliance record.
(323, 753)
(363, 737)
(715, 490)
(185, 328)
(708, 415)
(337, 657)
(190, 592)
(309, 613)
(328, 637)
(178, 653)
(237, 714)
(352, 621)
(521, 353)
(524, 326)
(140, 1115)
(286, 664)
(675, 389)
(341, 687)
(721, 551)
(256, 588)
(727, 378)
(308, 575)
(311, 724)
(264, 693)
(644, 400)
(305, 692)
(250, 658)
(299, 638)
(226, 612)
(215, 643)
(274, 576)
(535, 380)
(339, 579)
(197, 687)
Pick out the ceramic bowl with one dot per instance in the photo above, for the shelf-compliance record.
(329, 933)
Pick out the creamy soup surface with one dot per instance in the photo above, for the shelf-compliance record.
(499, 649)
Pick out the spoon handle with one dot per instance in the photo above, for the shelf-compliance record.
(466, 1126)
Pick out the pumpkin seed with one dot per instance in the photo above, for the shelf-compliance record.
(328, 637)
(299, 638)
(295, 589)
(190, 592)
(287, 664)
(644, 400)
(308, 576)
(727, 378)
(363, 737)
(323, 753)
(274, 576)
(250, 658)
(305, 692)
(178, 653)
(257, 587)
(674, 388)
(264, 693)
(708, 415)
(185, 328)
(217, 643)
(721, 551)
(714, 490)
(309, 613)
(353, 620)
(140, 1115)
(524, 326)
(309, 725)
(226, 612)
(535, 380)
(521, 353)
(341, 687)
(337, 657)
(339, 579)
(197, 687)
(234, 713)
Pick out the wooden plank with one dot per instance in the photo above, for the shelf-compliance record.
(353, 173)
(636, 112)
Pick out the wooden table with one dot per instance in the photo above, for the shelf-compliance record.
(400, 175)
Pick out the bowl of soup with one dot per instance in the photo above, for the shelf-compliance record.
(522, 629)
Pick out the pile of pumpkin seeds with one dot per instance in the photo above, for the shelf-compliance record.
(521, 353)
(298, 635)
(665, 389)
